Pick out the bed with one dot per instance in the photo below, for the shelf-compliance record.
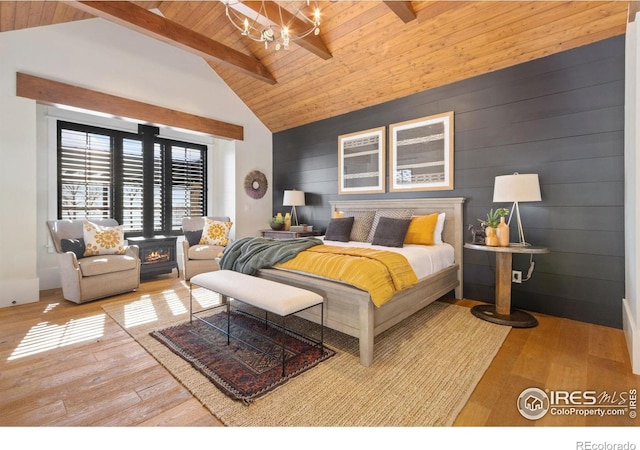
(350, 310)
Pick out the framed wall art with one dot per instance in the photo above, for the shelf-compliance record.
(361, 162)
(421, 154)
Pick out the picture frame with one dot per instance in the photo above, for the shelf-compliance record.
(421, 154)
(362, 162)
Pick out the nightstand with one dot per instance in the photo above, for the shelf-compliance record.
(501, 313)
(273, 234)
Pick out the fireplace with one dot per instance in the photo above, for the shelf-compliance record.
(157, 255)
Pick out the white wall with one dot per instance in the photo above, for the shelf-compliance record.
(630, 308)
(102, 56)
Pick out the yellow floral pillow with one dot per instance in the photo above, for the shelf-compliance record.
(215, 232)
(101, 240)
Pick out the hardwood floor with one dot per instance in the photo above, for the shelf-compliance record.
(63, 364)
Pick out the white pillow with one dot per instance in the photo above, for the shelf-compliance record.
(437, 234)
(101, 240)
(215, 232)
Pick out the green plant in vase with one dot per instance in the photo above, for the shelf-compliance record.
(495, 229)
(277, 222)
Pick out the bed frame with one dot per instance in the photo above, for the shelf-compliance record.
(350, 310)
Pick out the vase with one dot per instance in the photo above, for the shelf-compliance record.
(276, 226)
(502, 232)
(490, 239)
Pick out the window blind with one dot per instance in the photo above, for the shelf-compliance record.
(101, 174)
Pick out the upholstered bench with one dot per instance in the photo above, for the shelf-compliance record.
(269, 296)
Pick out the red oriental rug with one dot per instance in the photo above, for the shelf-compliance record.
(238, 370)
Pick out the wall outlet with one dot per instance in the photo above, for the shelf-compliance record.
(516, 276)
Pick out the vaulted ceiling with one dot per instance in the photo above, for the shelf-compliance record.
(368, 52)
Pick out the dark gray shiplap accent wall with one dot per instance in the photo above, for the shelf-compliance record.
(562, 117)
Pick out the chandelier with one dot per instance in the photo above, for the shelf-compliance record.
(273, 22)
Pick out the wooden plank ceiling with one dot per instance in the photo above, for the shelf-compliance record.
(379, 51)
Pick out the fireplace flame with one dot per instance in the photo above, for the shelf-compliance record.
(156, 257)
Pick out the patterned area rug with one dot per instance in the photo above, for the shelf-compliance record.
(250, 366)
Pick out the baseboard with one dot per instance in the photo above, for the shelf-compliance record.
(18, 292)
(632, 335)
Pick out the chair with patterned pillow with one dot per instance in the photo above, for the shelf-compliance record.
(204, 240)
(94, 260)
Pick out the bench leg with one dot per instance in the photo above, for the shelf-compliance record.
(284, 337)
(190, 303)
(322, 326)
(226, 300)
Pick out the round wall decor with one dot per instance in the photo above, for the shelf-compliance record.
(255, 184)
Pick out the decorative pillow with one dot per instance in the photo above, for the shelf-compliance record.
(337, 215)
(437, 235)
(73, 245)
(392, 213)
(362, 221)
(193, 237)
(215, 232)
(422, 230)
(100, 240)
(339, 229)
(391, 232)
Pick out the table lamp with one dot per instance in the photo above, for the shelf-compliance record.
(293, 198)
(517, 188)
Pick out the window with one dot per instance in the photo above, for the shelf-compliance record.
(106, 173)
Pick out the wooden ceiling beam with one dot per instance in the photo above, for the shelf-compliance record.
(404, 10)
(56, 93)
(312, 43)
(143, 21)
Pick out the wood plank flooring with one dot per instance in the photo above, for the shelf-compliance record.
(63, 364)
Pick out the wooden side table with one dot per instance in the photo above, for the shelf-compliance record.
(281, 234)
(501, 313)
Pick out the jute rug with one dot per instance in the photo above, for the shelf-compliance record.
(423, 373)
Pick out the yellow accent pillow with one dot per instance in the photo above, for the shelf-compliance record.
(100, 240)
(337, 215)
(421, 230)
(215, 232)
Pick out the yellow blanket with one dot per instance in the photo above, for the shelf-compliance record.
(381, 273)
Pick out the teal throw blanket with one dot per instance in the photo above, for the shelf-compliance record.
(250, 254)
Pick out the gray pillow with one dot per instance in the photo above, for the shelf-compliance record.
(391, 232)
(362, 221)
(393, 213)
(339, 229)
(193, 237)
(76, 246)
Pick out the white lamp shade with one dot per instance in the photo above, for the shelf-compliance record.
(293, 198)
(523, 187)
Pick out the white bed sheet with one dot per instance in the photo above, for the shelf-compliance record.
(424, 259)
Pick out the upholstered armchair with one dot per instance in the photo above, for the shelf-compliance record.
(200, 254)
(86, 278)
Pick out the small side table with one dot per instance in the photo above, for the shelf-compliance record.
(501, 313)
(281, 234)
